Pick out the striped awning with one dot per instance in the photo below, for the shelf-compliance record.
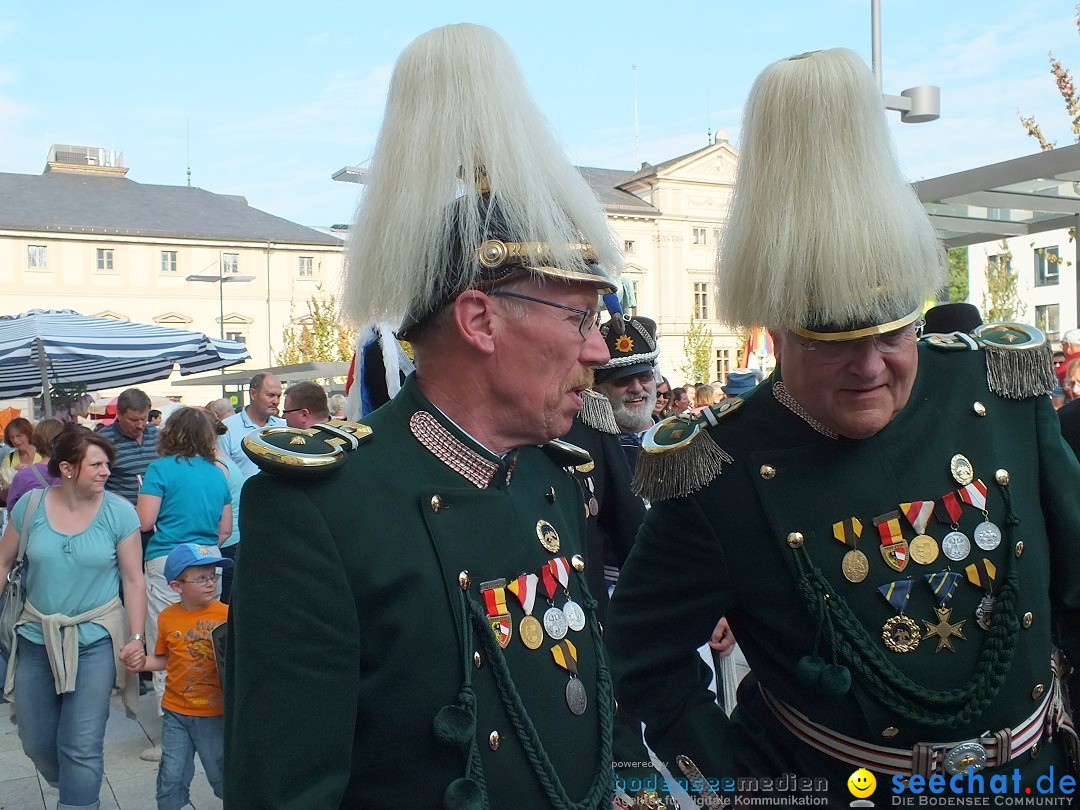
(63, 347)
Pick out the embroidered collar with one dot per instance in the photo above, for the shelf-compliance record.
(451, 451)
(784, 397)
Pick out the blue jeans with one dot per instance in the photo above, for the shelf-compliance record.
(64, 735)
(181, 736)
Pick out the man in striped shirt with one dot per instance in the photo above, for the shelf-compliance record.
(135, 441)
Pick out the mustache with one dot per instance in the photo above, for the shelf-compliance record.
(587, 381)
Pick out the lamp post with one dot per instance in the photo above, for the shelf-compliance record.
(916, 105)
(220, 279)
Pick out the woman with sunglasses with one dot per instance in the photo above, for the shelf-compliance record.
(662, 409)
(185, 495)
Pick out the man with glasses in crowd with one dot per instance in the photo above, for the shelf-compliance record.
(438, 645)
(305, 405)
(889, 525)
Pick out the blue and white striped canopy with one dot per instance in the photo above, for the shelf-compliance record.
(100, 352)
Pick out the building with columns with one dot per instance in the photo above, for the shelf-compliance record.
(668, 219)
(83, 236)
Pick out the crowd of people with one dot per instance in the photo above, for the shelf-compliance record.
(419, 600)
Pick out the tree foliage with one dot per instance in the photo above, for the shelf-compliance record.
(958, 274)
(698, 349)
(318, 337)
(1001, 301)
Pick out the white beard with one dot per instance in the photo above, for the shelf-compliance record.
(637, 418)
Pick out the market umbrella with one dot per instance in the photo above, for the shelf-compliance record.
(42, 349)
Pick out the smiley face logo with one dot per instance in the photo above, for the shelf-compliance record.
(861, 783)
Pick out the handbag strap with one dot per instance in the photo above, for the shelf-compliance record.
(40, 477)
(36, 497)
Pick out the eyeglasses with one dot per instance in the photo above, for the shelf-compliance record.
(202, 580)
(293, 410)
(664, 394)
(827, 351)
(590, 318)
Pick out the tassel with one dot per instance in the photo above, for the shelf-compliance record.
(1020, 373)
(597, 412)
(673, 474)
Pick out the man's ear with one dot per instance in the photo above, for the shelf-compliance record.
(475, 320)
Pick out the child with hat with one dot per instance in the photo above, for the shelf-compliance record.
(193, 706)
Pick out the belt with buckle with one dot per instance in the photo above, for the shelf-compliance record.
(987, 751)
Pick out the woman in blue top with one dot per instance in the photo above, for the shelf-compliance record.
(185, 498)
(82, 546)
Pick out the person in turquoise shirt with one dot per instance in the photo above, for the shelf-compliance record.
(186, 498)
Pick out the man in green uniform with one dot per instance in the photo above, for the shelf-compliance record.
(410, 623)
(889, 525)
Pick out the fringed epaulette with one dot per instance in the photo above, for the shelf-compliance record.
(951, 341)
(1019, 361)
(597, 412)
(569, 455)
(679, 457)
(304, 452)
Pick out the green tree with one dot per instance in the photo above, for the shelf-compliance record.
(698, 348)
(1001, 301)
(958, 274)
(320, 336)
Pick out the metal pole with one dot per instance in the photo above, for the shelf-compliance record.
(43, 366)
(221, 309)
(875, 36)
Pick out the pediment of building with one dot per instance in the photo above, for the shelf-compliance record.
(173, 318)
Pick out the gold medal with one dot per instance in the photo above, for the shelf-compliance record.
(901, 634)
(961, 469)
(855, 566)
(549, 538)
(923, 549)
(532, 634)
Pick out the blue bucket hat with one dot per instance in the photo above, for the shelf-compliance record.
(740, 381)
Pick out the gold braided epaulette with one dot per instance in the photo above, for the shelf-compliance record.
(679, 457)
(304, 452)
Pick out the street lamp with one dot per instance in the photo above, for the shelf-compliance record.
(220, 279)
(916, 105)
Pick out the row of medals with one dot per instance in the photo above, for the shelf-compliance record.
(557, 622)
(924, 548)
(924, 551)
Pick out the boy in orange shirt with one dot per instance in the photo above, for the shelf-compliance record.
(193, 705)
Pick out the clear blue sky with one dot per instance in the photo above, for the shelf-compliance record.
(279, 95)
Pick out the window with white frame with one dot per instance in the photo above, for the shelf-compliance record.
(35, 256)
(701, 300)
(104, 258)
(237, 336)
(168, 261)
(723, 364)
(699, 236)
(304, 267)
(629, 246)
(1047, 318)
(230, 263)
(1046, 266)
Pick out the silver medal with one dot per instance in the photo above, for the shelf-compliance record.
(576, 698)
(955, 546)
(987, 536)
(555, 623)
(575, 616)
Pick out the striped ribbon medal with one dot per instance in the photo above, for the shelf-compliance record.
(524, 588)
(854, 565)
(987, 535)
(982, 574)
(955, 545)
(943, 584)
(494, 593)
(923, 547)
(565, 655)
(894, 548)
(900, 633)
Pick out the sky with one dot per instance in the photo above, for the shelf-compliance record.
(267, 100)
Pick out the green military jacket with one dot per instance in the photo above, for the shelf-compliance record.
(729, 550)
(362, 670)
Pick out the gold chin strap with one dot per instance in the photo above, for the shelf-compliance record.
(856, 334)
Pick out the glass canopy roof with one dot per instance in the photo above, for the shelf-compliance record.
(1018, 197)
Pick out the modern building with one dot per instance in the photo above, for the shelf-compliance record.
(83, 236)
(668, 219)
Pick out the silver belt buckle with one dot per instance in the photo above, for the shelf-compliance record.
(964, 756)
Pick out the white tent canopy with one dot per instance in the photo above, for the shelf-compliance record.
(41, 349)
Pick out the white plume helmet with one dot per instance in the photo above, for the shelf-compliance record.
(824, 232)
(463, 155)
